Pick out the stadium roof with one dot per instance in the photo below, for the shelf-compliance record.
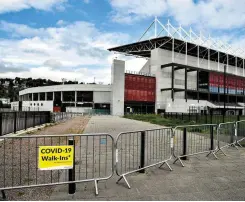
(208, 48)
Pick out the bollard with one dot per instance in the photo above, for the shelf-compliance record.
(15, 121)
(4, 195)
(212, 137)
(40, 118)
(142, 152)
(34, 117)
(231, 133)
(184, 144)
(1, 124)
(72, 186)
(25, 120)
(206, 117)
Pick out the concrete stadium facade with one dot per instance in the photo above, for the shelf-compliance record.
(184, 73)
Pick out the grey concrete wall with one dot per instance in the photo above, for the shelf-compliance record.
(102, 97)
(146, 68)
(118, 85)
(163, 76)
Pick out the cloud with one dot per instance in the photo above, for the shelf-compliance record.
(53, 63)
(212, 14)
(81, 74)
(9, 67)
(61, 23)
(128, 11)
(61, 50)
(17, 5)
(86, 1)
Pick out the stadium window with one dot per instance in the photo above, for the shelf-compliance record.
(41, 104)
(42, 96)
(49, 95)
(34, 104)
(37, 104)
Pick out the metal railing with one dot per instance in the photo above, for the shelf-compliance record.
(63, 116)
(138, 150)
(19, 162)
(204, 118)
(134, 151)
(240, 132)
(193, 140)
(11, 122)
(226, 135)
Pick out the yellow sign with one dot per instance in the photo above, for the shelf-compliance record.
(55, 157)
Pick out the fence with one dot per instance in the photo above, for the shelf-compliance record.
(11, 122)
(240, 128)
(5, 110)
(138, 150)
(20, 166)
(226, 135)
(63, 116)
(203, 118)
(193, 140)
(94, 154)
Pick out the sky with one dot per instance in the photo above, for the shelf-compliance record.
(57, 39)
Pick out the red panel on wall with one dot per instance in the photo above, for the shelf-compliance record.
(232, 82)
(140, 88)
(57, 109)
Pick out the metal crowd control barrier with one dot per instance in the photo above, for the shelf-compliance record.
(240, 132)
(138, 150)
(226, 136)
(192, 140)
(20, 160)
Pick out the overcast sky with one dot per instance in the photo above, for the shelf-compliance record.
(69, 38)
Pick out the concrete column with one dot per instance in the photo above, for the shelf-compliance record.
(32, 97)
(172, 84)
(38, 96)
(208, 58)
(218, 61)
(173, 50)
(118, 85)
(198, 95)
(185, 84)
(75, 98)
(61, 96)
(53, 96)
(46, 96)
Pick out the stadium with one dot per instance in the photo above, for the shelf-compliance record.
(185, 72)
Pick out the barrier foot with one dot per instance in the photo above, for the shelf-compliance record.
(208, 154)
(239, 144)
(212, 152)
(234, 145)
(167, 165)
(221, 151)
(214, 155)
(123, 177)
(119, 179)
(179, 161)
(4, 195)
(96, 187)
